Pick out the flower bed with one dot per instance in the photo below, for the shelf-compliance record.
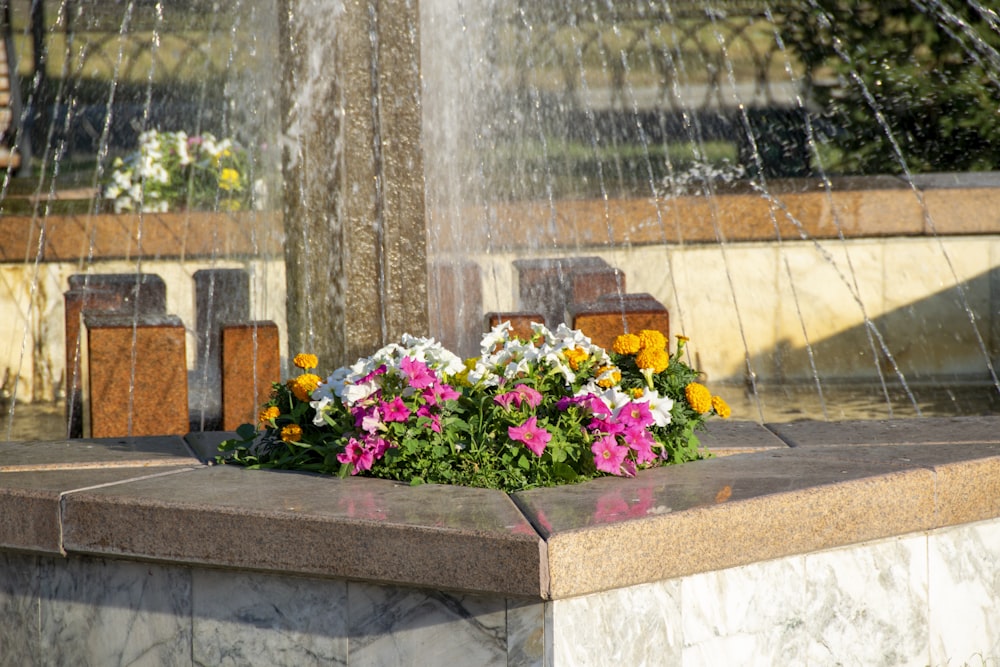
(552, 410)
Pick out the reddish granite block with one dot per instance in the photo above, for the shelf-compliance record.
(556, 285)
(101, 293)
(135, 391)
(520, 323)
(614, 315)
(251, 363)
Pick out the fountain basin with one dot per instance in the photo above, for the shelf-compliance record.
(808, 541)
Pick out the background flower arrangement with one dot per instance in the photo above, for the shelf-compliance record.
(555, 409)
(172, 171)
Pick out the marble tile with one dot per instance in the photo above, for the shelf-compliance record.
(97, 612)
(964, 566)
(525, 633)
(247, 618)
(398, 626)
(867, 605)
(19, 641)
(750, 615)
(639, 625)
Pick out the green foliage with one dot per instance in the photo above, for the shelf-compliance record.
(914, 83)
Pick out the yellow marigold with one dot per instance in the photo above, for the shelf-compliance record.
(636, 392)
(268, 415)
(608, 376)
(698, 397)
(291, 433)
(229, 179)
(626, 344)
(721, 407)
(650, 339)
(304, 385)
(576, 357)
(305, 361)
(656, 360)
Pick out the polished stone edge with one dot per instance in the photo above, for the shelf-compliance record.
(105, 512)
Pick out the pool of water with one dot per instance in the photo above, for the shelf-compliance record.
(837, 402)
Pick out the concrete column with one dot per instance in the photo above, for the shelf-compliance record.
(354, 192)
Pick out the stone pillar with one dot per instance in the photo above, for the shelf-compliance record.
(221, 296)
(355, 253)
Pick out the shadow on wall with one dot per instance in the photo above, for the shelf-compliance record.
(950, 336)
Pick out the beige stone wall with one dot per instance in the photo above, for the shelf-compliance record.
(769, 301)
(32, 315)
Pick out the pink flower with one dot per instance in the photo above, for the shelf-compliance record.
(642, 441)
(528, 395)
(367, 418)
(518, 396)
(439, 392)
(357, 455)
(531, 435)
(609, 455)
(395, 410)
(420, 375)
(636, 413)
(371, 376)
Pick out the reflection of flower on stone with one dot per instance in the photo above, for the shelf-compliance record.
(553, 409)
(172, 171)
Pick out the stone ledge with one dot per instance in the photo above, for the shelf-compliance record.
(837, 484)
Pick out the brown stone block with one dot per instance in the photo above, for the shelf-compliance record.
(520, 323)
(102, 293)
(554, 286)
(251, 362)
(612, 316)
(136, 375)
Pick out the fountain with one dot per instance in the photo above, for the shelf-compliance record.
(419, 159)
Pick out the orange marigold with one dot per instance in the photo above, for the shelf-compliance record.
(698, 397)
(721, 407)
(650, 339)
(608, 376)
(626, 344)
(304, 385)
(655, 359)
(576, 357)
(291, 433)
(305, 361)
(268, 415)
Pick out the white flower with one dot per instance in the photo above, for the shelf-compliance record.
(659, 406)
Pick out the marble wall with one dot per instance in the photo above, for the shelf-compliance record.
(926, 599)
(922, 599)
(105, 612)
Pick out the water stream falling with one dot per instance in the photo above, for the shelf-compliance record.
(697, 147)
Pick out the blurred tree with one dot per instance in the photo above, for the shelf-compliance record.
(920, 74)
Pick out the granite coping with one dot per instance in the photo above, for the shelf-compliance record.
(782, 490)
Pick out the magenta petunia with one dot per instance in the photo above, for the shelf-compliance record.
(439, 392)
(636, 413)
(528, 395)
(357, 454)
(531, 435)
(641, 441)
(417, 371)
(395, 410)
(609, 455)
